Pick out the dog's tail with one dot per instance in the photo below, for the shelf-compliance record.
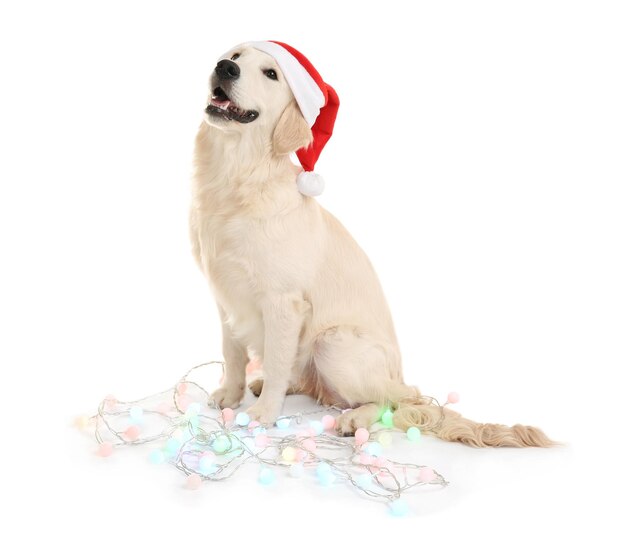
(432, 418)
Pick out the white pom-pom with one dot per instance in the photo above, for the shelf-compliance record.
(310, 183)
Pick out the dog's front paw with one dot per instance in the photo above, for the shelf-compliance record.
(228, 396)
(263, 414)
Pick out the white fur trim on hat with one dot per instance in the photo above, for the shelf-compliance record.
(304, 88)
(310, 183)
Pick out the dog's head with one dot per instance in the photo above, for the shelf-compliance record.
(249, 92)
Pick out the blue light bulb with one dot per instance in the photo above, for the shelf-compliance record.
(323, 468)
(136, 413)
(193, 409)
(266, 476)
(399, 507)
(242, 419)
(327, 479)
(156, 456)
(283, 423)
(206, 465)
(172, 446)
(374, 449)
(364, 481)
(317, 427)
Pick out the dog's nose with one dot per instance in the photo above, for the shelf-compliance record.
(227, 70)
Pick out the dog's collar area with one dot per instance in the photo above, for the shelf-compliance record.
(221, 106)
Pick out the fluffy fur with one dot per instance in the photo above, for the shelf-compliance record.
(292, 286)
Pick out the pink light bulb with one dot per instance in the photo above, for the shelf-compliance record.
(328, 421)
(426, 474)
(105, 449)
(184, 402)
(361, 436)
(193, 481)
(132, 433)
(380, 461)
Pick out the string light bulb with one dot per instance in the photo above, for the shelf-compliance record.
(289, 454)
(242, 419)
(385, 439)
(221, 444)
(136, 413)
(105, 449)
(296, 470)
(427, 475)
(283, 423)
(317, 427)
(373, 448)
(413, 434)
(266, 476)
(156, 456)
(399, 507)
(132, 432)
(328, 421)
(194, 481)
(387, 418)
(361, 435)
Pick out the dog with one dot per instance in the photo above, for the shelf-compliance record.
(292, 286)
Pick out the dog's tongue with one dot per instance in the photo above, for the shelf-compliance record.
(221, 104)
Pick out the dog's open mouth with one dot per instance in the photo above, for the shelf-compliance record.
(222, 106)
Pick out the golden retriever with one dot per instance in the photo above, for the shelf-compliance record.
(292, 286)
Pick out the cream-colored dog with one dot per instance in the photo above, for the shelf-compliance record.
(292, 286)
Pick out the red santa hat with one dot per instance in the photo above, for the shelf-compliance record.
(318, 103)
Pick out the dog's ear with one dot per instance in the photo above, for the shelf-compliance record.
(292, 131)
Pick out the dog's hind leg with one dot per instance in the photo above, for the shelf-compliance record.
(358, 370)
(361, 417)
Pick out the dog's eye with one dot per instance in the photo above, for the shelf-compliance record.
(235, 56)
(270, 73)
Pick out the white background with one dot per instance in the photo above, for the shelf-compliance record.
(486, 138)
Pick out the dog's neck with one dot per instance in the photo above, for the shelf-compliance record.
(242, 169)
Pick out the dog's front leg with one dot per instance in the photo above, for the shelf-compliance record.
(235, 354)
(283, 316)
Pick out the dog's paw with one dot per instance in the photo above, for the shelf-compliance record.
(228, 396)
(256, 386)
(350, 421)
(263, 414)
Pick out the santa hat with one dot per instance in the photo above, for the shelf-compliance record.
(318, 103)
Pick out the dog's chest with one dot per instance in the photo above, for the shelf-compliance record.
(245, 257)
(228, 247)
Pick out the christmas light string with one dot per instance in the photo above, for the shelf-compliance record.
(209, 444)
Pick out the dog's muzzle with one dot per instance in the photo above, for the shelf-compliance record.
(221, 106)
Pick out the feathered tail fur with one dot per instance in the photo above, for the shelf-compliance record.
(451, 426)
